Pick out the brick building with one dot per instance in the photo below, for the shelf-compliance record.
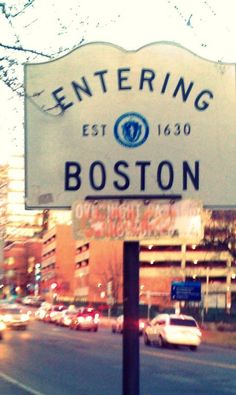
(98, 271)
(58, 262)
(92, 272)
(20, 258)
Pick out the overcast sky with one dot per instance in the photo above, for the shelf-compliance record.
(206, 27)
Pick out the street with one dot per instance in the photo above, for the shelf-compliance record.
(47, 360)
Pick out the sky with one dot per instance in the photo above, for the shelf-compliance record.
(206, 27)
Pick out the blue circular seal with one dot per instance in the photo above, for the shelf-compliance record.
(131, 129)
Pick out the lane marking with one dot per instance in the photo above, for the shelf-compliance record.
(187, 359)
(155, 353)
(17, 383)
(166, 356)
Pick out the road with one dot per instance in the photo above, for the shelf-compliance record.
(51, 360)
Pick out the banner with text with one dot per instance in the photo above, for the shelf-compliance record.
(137, 220)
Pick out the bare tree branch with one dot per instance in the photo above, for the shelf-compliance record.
(7, 10)
(26, 50)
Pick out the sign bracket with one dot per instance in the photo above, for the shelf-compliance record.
(140, 197)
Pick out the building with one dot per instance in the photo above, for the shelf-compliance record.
(92, 272)
(98, 271)
(3, 200)
(3, 211)
(21, 224)
(20, 260)
(17, 225)
(160, 265)
(58, 263)
(212, 265)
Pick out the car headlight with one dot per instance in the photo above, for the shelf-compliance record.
(2, 326)
(7, 318)
(24, 317)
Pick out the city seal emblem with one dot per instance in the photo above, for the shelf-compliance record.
(131, 130)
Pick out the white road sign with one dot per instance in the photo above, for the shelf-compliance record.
(102, 121)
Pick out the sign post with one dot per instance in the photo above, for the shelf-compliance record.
(135, 125)
(133, 220)
(131, 318)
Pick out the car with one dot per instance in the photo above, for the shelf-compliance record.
(52, 313)
(42, 310)
(86, 318)
(14, 317)
(33, 301)
(66, 316)
(173, 329)
(57, 314)
(118, 323)
(2, 328)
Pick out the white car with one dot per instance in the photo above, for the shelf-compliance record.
(42, 310)
(173, 329)
(2, 328)
(14, 317)
(64, 317)
(33, 301)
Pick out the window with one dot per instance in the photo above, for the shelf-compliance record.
(182, 322)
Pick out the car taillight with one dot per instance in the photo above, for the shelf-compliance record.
(198, 332)
(141, 324)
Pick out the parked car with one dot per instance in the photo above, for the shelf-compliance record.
(42, 310)
(2, 328)
(51, 313)
(14, 317)
(34, 301)
(173, 329)
(118, 323)
(86, 318)
(66, 317)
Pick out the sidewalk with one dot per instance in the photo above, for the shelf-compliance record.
(219, 338)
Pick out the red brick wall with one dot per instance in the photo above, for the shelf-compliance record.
(65, 260)
(105, 263)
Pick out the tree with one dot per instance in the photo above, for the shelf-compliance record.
(220, 229)
(109, 279)
(61, 30)
(113, 278)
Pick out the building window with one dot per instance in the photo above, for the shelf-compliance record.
(160, 264)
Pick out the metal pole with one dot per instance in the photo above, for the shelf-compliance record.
(207, 289)
(131, 318)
